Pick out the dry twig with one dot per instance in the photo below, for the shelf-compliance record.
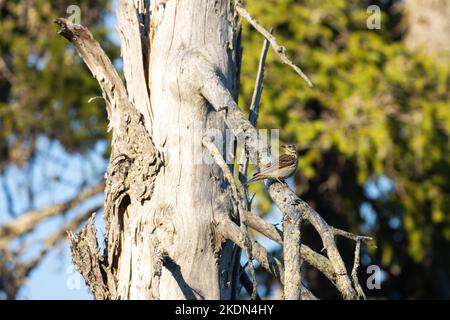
(239, 197)
(280, 50)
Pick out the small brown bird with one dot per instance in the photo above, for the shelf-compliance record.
(282, 168)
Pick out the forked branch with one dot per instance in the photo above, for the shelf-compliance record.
(231, 231)
(327, 233)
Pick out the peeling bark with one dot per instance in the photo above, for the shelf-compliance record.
(85, 255)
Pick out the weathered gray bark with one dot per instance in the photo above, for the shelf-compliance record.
(160, 201)
(175, 222)
(189, 188)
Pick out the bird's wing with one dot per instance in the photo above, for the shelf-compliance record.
(284, 160)
(271, 168)
(287, 160)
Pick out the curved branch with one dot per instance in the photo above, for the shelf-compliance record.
(100, 66)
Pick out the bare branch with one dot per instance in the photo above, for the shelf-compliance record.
(280, 50)
(256, 97)
(238, 59)
(100, 65)
(237, 188)
(292, 218)
(315, 259)
(85, 255)
(248, 285)
(232, 232)
(326, 234)
(132, 170)
(6, 72)
(355, 271)
(306, 294)
(239, 197)
(16, 274)
(354, 237)
(254, 108)
(291, 254)
(334, 268)
(27, 222)
(202, 76)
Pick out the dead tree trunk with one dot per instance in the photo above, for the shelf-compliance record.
(160, 198)
(172, 206)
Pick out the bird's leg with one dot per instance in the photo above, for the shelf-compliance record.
(283, 182)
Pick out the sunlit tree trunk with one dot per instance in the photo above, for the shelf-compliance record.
(182, 205)
(161, 195)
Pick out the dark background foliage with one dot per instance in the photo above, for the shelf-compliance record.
(373, 134)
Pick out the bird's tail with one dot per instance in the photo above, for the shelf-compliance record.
(254, 178)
